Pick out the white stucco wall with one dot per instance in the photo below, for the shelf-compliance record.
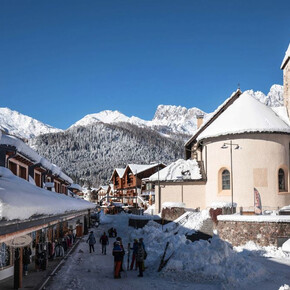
(192, 194)
(255, 165)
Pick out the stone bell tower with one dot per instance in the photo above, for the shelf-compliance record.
(285, 66)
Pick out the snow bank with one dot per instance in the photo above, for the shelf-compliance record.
(255, 218)
(286, 246)
(252, 249)
(201, 261)
(221, 204)
(178, 171)
(150, 210)
(20, 199)
(105, 219)
(171, 204)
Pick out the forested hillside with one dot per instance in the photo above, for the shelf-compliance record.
(89, 154)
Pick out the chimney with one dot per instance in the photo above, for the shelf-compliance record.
(199, 119)
(285, 66)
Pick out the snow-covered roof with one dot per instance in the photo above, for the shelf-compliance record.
(286, 57)
(20, 199)
(28, 152)
(120, 171)
(138, 168)
(178, 171)
(245, 114)
(104, 187)
(76, 186)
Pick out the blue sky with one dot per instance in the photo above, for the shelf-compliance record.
(61, 60)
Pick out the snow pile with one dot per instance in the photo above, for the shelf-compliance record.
(200, 261)
(255, 218)
(150, 210)
(178, 170)
(221, 204)
(286, 246)
(188, 223)
(252, 249)
(104, 218)
(20, 199)
(170, 204)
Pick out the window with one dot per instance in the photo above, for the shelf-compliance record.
(22, 172)
(281, 180)
(226, 182)
(13, 167)
(5, 257)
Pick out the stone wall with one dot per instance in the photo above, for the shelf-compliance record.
(262, 233)
(171, 214)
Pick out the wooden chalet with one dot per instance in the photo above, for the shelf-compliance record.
(128, 184)
(27, 164)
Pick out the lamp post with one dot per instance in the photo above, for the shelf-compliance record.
(159, 194)
(225, 146)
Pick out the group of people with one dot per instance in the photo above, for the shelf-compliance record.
(104, 240)
(138, 255)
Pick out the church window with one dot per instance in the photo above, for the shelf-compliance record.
(281, 180)
(226, 182)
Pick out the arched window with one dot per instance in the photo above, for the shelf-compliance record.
(281, 180)
(226, 182)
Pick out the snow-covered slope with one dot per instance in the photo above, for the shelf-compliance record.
(108, 117)
(169, 119)
(23, 126)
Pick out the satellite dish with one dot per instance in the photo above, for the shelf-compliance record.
(19, 242)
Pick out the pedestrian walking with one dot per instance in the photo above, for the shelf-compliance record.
(118, 257)
(26, 259)
(104, 240)
(91, 240)
(134, 248)
(140, 258)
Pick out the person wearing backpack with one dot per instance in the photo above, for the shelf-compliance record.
(91, 240)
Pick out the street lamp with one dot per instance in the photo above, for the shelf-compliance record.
(225, 146)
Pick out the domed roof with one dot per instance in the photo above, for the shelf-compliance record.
(245, 114)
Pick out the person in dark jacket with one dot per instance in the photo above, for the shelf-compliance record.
(134, 248)
(104, 241)
(118, 257)
(140, 258)
(91, 240)
(26, 259)
(119, 239)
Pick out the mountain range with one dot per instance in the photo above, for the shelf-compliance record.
(91, 148)
(168, 120)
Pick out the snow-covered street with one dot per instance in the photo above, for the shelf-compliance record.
(249, 267)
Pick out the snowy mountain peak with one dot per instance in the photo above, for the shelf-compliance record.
(23, 126)
(273, 99)
(173, 113)
(107, 117)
